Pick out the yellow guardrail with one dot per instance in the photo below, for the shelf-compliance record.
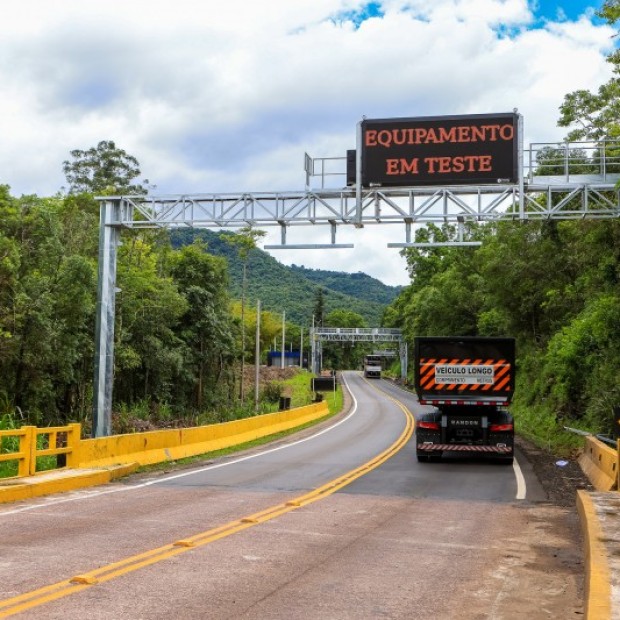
(72, 451)
(34, 442)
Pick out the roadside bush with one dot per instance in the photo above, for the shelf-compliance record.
(271, 391)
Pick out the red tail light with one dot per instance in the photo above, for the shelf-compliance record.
(501, 428)
(433, 426)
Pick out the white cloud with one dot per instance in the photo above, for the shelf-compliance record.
(227, 96)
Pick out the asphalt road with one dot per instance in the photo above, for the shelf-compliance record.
(253, 539)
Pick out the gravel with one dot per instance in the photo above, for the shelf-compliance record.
(560, 481)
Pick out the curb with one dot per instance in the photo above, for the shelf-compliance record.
(597, 592)
(60, 481)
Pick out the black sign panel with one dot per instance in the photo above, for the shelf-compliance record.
(323, 384)
(440, 150)
(351, 167)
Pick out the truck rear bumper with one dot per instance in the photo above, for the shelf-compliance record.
(449, 447)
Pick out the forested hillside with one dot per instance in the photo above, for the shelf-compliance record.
(294, 289)
(359, 285)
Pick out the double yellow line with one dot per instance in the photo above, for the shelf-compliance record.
(23, 602)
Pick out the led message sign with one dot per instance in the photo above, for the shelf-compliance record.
(440, 150)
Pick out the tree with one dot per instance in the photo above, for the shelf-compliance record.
(149, 352)
(104, 169)
(597, 115)
(47, 300)
(244, 241)
(206, 326)
(319, 307)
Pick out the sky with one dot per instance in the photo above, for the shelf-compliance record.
(227, 96)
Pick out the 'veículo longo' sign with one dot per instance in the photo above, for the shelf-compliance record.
(440, 150)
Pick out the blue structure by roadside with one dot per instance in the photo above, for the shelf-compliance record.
(291, 358)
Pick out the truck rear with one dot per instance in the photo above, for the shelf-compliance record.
(469, 381)
(373, 366)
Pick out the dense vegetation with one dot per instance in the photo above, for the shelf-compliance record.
(555, 287)
(293, 289)
(175, 340)
(359, 285)
(178, 336)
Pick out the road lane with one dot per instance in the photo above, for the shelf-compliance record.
(312, 462)
(381, 547)
(456, 476)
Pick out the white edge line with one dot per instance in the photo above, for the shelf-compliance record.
(521, 487)
(88, 495)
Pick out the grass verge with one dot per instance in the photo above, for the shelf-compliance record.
(544, 430)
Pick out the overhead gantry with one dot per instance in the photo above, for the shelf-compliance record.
(554, 181)
(319, 335)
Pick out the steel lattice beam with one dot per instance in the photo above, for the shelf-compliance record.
(419, 205)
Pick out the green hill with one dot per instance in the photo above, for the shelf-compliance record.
(293, 289)
(359, 285)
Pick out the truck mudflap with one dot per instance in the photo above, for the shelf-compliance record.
(434, 447)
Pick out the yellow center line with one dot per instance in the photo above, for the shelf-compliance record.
(52, 592)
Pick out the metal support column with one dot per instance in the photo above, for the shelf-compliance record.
(257, 358)
(520, 162)
(358, 178)
(109, 241)
(403, 359)
(315, 363)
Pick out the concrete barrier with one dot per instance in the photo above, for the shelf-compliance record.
(98, 461)
(600, 463)
(147, 448)
(169, 445)
(598, 592)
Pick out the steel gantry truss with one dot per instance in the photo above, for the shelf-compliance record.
(565, 192)
(411, 205)
(319, 335)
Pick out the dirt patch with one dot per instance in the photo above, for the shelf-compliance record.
(560, 478)
(268, 374)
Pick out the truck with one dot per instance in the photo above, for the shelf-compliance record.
(469, 383)
(372, 366)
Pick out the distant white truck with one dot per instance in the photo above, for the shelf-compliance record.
(372, 366)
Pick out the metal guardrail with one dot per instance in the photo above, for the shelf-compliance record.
(608, 440)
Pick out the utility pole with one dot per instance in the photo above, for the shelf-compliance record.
(257, 357)
(283, 335)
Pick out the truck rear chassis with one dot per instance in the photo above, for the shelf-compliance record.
(459, 429)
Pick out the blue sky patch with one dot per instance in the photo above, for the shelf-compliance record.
(357, 17)
(563, 10)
